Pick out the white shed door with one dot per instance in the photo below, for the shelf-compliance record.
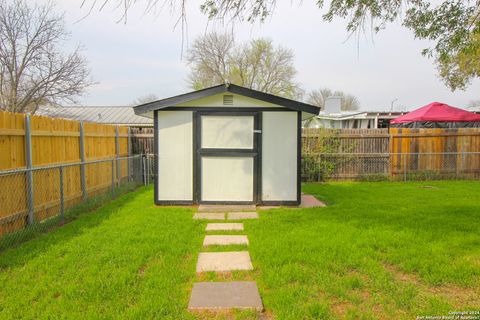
(227, 156)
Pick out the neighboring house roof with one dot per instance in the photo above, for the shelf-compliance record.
(346, 115)
(100, 114)
(284, 102)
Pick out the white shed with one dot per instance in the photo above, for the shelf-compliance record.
(227, 145)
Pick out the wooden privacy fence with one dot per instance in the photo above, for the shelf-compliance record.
(444, 151)
(142, 140)
(35, 141)
(356, 153)
(395, 152)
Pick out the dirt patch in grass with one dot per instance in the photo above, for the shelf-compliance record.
(402, 276)
(362, 299)
(141, 270)
(144, 267)
(457, 296)
(340, 307)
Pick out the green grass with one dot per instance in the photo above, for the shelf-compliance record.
(127, 259)
(380, 250)
(32, 231)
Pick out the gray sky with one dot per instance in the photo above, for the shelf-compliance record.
(143, 56)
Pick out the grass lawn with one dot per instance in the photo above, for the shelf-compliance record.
(380, 250)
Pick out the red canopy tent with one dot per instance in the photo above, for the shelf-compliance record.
(437, 115)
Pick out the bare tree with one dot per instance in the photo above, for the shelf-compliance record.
(209, 59)
(33, 68)
(215, 58)
(318, 97)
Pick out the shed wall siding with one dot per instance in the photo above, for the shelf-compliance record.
(279, 156)
(175, 156)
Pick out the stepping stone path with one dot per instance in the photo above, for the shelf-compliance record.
(309, 201)
(224, 227)
(213, 296)
(226, 208)
(225, 295)
(224, 240)
(242, 215)
(224, 261)
(209, 216)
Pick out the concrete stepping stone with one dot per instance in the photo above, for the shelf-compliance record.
(224, 226)
(242, 215)
(209, 216)
(224, 261)
(225, 295)
(309, 201)
(225, 208)
(226, 240)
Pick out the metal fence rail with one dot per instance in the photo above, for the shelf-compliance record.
(390, 166)
(32, 199)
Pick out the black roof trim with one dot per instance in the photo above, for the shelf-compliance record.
(169, 102)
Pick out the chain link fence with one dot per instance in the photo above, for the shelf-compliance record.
(37, 199)
(390, 166)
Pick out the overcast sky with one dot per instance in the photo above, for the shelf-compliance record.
(143, 56)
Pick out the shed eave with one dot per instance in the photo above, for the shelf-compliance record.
(186, 97)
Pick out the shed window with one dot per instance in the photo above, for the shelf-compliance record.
(227, 132)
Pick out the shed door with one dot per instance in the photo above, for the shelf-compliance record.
(227, 157)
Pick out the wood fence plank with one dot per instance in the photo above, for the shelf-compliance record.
(54, 141)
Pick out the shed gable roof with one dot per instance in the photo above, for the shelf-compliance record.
(270, 98)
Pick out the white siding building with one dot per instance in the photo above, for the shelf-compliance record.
(227, 144)
(353, 120)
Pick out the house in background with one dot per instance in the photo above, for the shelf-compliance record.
(475, 109)
(333, 118)
(353, 120)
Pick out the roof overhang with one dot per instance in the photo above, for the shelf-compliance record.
(147, 108)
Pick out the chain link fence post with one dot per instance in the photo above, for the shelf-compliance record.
(82, 160)
(148, 170)
(62, 200)
(129, 161)
(117, 154)
(113, 178)
(144, 171)
(29, 173)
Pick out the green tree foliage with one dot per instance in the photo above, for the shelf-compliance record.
(452, 25)
(216, 58)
